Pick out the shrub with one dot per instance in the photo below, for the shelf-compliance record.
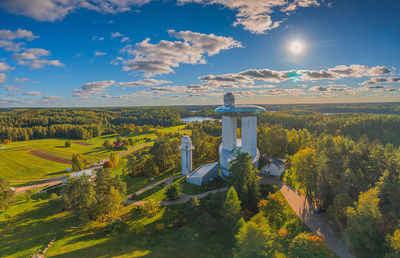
(67, 144)
(108, 164)
(173, 191)
(116, 226)
(160, 226)
(150, 208)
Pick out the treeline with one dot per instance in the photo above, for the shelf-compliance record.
(79, 123)
(376, 127)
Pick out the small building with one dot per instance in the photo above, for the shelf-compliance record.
(274, 167)
(89, 172)
(203, 174)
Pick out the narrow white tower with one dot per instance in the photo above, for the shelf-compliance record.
(186, 149)
(229, 125)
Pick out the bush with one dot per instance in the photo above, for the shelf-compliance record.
(108, 164)
(160, 226)
(116, 226)
(173, 191)
(150, 208)
(67, 144)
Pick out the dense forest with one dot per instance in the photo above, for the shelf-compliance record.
(79, 123)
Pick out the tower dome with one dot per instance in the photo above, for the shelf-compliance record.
(229, 100)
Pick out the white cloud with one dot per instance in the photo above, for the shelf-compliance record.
(358, 71)
(162, 57)
(5, 67)
(116, 35)
(376, 80)
(36, 64)
(18, 34)
(92, 88)
(32, 93)
(20, 80)
(255, 15)
(12, 88)
(94, 38)
(99, 53)
(11, 46)
(53, 10)
(381, 88)
(31, 53)
(3, 77)
(145, 82)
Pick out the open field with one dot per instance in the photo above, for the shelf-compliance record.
(46, 158)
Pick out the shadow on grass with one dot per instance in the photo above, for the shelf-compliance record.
(32, 229)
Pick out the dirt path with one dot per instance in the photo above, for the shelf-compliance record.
(167, 181)
(305, 210)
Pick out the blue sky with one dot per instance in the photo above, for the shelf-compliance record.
(184, 52)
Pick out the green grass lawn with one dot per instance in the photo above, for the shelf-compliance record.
(17, 163)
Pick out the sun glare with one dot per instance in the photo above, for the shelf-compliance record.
(296, 47)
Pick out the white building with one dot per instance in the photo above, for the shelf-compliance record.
(186, 149)
(231, 145)
(275, 167)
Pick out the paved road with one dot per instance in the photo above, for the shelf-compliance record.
(304, 209)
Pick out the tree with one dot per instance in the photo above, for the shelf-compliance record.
(108, 144)
(7, 195)
(303, 169)
(307, 245)
(114, 158)
(150, 169)
(192, 207)
(363, 225)
(173, 191)
(394, 243)
(231, 212)
(67, 144)
(6, 141)
(273, 210)
(108, 164)
(244, 179)
(80, 196)
(78, 162)
(254, 239)
(112, 202)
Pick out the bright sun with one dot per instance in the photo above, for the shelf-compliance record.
(296, 47)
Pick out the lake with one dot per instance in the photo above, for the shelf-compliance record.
(191, 119)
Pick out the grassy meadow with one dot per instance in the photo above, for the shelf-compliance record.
(17, 162)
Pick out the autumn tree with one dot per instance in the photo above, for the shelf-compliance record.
(254, 239)
(244, 179)
(78, 162)
(304, 171)
(7, 195)
(308, 245)
(108, 164)
(114, 158)
(363, 225)
(273, 209)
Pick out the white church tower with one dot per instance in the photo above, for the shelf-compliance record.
(186, 149)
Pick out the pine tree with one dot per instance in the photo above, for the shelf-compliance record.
(231, 212)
